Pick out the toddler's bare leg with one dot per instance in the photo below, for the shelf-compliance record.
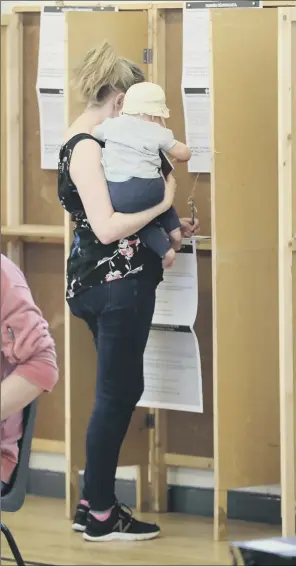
(169, 258)
(176, 239)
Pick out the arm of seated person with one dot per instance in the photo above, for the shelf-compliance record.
(27, 346)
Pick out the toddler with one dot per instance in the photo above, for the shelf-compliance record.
(132, 164)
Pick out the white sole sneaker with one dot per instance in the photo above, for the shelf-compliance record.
(121, 536)
(78, 528)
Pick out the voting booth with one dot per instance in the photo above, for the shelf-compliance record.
(242, 322)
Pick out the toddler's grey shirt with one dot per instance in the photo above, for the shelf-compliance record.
(132, 147)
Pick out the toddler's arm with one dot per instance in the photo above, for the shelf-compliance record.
(180, 151)
(175, 149)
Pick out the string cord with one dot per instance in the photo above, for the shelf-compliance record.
(191, 202)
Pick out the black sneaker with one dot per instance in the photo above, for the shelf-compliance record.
(119, 526)
(79, 522)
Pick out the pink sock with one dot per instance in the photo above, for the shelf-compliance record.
(101, 516)
(84, 503)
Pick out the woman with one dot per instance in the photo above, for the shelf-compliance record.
(28, 361)
(111, 283)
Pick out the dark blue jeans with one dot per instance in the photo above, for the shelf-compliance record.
(119, 315)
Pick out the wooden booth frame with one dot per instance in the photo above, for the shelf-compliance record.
(287, 261)
(4, 32)
(16, 232)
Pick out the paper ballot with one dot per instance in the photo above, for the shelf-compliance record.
(172, 366)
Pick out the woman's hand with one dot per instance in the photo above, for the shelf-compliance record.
(188, 229)
(170, 187)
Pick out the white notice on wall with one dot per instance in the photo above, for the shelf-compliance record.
(50, 84)
(195, 86)
(172, 366)
(196, 103)
(51, 62)
(196, 53)
(51, 107)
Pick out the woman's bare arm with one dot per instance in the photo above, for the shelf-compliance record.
(87, 174)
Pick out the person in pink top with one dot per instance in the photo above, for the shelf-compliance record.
(28, 361)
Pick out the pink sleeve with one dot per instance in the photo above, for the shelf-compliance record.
(26, 342)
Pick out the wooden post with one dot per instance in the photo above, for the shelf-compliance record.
(4, 33)
(244, 253)
(142, 488)
(286, 86)
(158, 433)
(14, 186)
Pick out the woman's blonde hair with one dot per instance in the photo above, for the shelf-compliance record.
(102, 72)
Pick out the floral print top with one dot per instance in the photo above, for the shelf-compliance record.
(91, 262)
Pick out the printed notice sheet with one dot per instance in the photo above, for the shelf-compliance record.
(172, 366)
(196, 78)
(195, 86)
(197, 118)
(196, 53)
(50, 84)
(51, 79)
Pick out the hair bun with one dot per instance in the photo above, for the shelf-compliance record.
(102, 72)
(96, 71)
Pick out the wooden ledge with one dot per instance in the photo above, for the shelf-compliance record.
(203, 243)
(34, 233)
(188, 461)
(48, 446)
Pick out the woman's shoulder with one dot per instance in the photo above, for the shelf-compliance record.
(85, 153)
(71, 141)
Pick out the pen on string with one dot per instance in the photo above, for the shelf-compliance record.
(191, 202)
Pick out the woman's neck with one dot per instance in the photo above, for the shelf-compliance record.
(91, 117)
(94, 115)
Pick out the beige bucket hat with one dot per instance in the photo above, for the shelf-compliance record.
(146, 98)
